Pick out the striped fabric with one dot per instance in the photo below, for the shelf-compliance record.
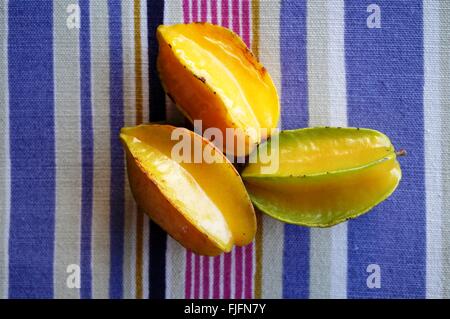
(73, 73)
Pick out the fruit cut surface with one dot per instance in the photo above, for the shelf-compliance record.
(188, 199)
(212, 76)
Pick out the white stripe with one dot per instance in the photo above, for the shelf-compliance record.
(273, 231)
(68, 151)
(209, 12)
(433, 149)
(317, 59)
(219, 11)
(230, 15)
(326, 72)
(445, 138)
(175, 269)
(233, 275)
(101, 124)
(4, 153)
(173, 13)
(175, 254)
(129, 258)
(144, 65)
(338, 112)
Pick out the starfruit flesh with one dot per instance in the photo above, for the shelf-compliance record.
(212, 76)
(325, 175)
(204, 206)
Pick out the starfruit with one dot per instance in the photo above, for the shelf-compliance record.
(203, 205)
(324, 176)
(212, 76)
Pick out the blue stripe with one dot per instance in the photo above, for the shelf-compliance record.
(87, 151)
(385, 91)
(117, 192)
(294, 114)
(32, 147)
(157, 238)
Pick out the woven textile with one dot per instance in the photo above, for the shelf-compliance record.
(73, 73)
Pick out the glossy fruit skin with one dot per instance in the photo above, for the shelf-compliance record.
(345, 172)
(212, 76)
(148, 157)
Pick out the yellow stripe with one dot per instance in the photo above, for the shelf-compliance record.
(259, 233)
(139, 119)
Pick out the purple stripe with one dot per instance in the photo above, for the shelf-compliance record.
(32, 148)
(227, 276)
(117, 194)
(196, 276)
(248, 289)
(213, 4)
(186, 11)
(294, 114)
(194, 10)
(158, 237)
(236, 16)
(246, 22)
(238, 282)
(87, 152)
(225, 14)
(205, 277)
(216, 287)
(204, 10)
(385, 92)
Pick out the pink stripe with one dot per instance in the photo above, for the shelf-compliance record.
(236, 17)
(188, 275)
(243, 274)
(225, 14)
(216, 282)
(204, 10)
(248, 271)
(238, 272)
(196, 276)
(206, 277)
(227, 276)
(194, 10)
(186, 15)
(213, 4)
(246, 21)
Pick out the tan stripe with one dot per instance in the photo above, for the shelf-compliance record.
(139, 120)
(259, 233)
(255, 27)
(139, 245)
